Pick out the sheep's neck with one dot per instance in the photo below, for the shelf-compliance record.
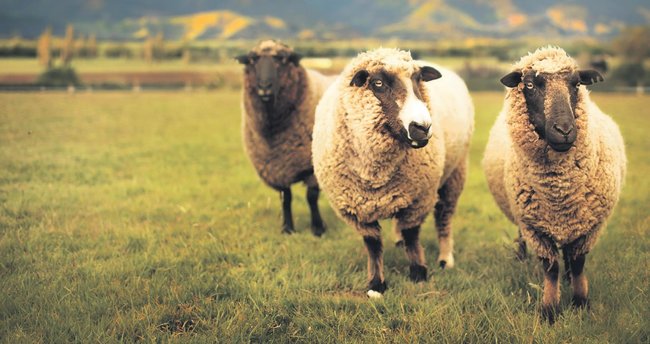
(375, 158)
(560, 172)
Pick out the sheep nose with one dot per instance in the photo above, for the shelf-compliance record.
(265, 85)
(418, 131)
(565, 129)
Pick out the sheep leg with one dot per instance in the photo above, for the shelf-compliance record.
(415, 254)
(448, 196)
(317, 225)
(521, 253)
(551, 298)
(372, 239)
(399, 240)
(567, 264)
(579, 282)
(287, 218)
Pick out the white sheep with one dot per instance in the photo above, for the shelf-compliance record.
(368, 128)
(555, 164)
(279, 98)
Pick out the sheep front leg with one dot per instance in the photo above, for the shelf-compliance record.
(287, 218)
(372, 239)
(575, 267)
(317, 225)
(415, 254)
(551, 298)
(448, 196)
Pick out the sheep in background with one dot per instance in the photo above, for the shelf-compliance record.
(389, 141)
(278, 103)
(555, 165)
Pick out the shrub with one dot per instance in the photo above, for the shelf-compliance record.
(58, 76)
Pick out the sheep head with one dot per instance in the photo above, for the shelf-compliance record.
(266, 64)
(550, 82)
(388, 85)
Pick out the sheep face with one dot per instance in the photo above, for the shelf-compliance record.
(399, 94)
(265, 69)
(551, 100)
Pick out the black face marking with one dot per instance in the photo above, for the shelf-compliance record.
(548, 110)
(534, 94)
(388, 90)
(267, 69)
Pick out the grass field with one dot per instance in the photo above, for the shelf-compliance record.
(128, 217)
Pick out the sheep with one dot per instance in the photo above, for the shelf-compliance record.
(555, 164)
(389, 142)
(279, 97)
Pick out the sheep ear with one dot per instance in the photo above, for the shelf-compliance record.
(590, 76)
(360, 78)
(511, 80)
(243, 59)
(294, 58)
(429, 73)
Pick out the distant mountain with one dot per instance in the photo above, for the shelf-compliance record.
(331, 19)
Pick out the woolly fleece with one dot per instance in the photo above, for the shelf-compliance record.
(283, 158)
(555, 198)
(369, 175)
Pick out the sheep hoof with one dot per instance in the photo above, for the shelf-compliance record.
(446, 263)
(580, 302)
(550, 313)
(399, 243)
(288, 230)
(376, 289)
(374, 294)
(417, 273)
(318, 230)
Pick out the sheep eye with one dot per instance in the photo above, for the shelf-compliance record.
(529, 85)
(578, 84)
(378, 83)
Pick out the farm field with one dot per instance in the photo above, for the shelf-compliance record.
(137, 217)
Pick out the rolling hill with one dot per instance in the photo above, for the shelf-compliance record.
(333, 19)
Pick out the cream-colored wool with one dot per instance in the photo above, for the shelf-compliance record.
(279, 160)
(555, 198)
(369, 175)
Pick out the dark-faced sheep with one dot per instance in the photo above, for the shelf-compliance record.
(555, 165)
(278, 103)
(391, 141)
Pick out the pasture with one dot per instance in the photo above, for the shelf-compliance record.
(137, 217)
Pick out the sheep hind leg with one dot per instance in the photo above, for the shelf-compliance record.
(522, 252)
(415, 254)
(317, 225)
(448, 196)
(287, 217)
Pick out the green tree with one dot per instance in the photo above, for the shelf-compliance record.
(633, 44)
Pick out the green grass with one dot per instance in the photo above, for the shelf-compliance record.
(127, 217)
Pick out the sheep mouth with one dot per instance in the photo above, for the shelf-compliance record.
(265, 95)
(561, 147)
(417, 144)
(412, 143)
